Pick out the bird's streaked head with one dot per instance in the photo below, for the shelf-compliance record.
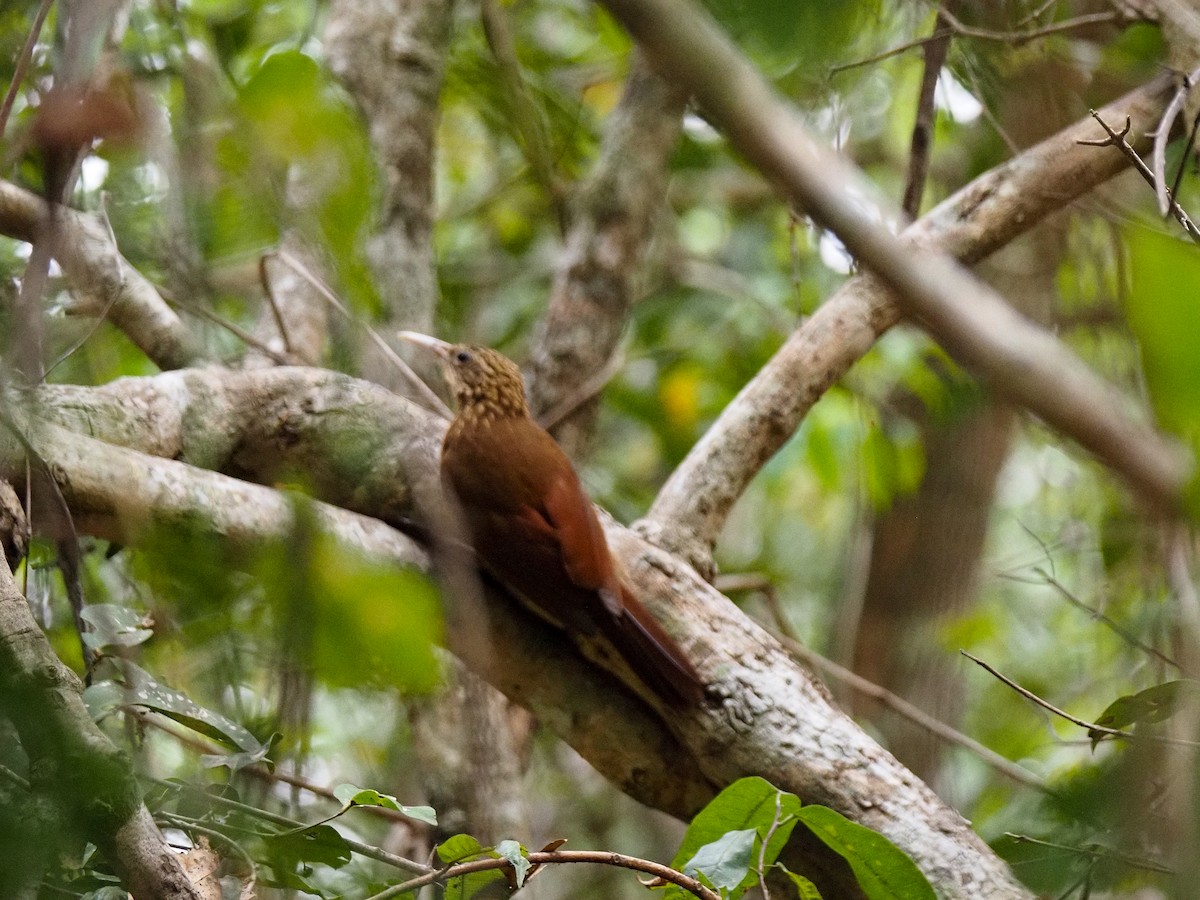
(484, 381)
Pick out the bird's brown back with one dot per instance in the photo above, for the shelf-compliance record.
(533, 526)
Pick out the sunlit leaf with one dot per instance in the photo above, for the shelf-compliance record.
(352, 795)
(1162, 313)
(725, 862)
(515, 854)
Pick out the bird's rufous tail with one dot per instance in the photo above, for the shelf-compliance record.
(653, 653)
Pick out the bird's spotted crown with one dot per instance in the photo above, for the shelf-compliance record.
(485, 383)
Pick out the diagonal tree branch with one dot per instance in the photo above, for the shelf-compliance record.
(103, 277)
(764, 714)
(1018, 359)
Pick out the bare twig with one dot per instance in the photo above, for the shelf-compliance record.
(589, 390)
(1016, 38)
(600, 857)
(948, 26)
(431, 400)
(23, 63)
(1096, 853)
(1092, 727)
(1118, 140)
(922, 133)
(264, 278)
(916, 715)
(1162, 137)
(1121, 632)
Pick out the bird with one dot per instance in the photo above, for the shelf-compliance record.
(531, 524)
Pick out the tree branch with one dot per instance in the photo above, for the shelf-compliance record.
(691, 508)
(765, 715)
(102, 276)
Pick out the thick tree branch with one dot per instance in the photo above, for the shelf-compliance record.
(764, 716)
(72, 761)
(103, 278)
(1016, 358)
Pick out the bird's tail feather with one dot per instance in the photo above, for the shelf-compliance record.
(653, 653)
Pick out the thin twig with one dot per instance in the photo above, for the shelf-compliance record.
(897, 704)
(1092, 727)
(1099, 853)
(1100, 617)
(922, 132)
(1016, 38)
(432, 401)
(601, 857)
(234, 329)
(264, 278)
(200, 744)
(1118, 140)
(1162, 137)
(375, 853)
(115, 295)
(917, 716)
(23, 63)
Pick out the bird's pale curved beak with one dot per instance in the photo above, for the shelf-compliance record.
(441, 348)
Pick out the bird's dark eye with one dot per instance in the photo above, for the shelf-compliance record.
(462, 356)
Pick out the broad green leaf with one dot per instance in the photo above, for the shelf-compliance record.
(460, 848)
(352, 795)
(515, 854)
(137, 687)
(319, 845)
(1162, 309)
(725, 862)
(463, 848)
(749, 804)
(882, 870)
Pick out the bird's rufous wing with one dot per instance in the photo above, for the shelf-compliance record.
(584, 550)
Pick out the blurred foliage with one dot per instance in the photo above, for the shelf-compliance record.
(254, 137)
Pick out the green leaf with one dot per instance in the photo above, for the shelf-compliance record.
(882, 870)
(1165, 280)
(805, 889)
(138, 688)
(725, 862)
(464, 848)
(241, 759)
(749, 804)
(515, 854)
(362, 622)
(319, 845)
(351, 795)
(114, 626)
(1154, 704)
